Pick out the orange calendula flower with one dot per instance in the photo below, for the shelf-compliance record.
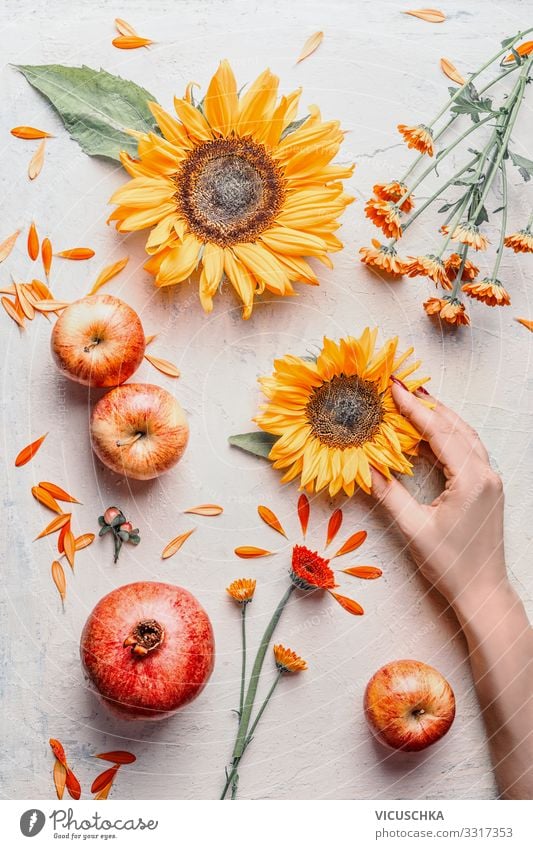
(453, 263)
(450, 310)
(433, 306)
(489, 291)
(428, 266)
(242, 590)
(394, 191)
(386, 215)
(287, 660)
(420, 138)
(310, 571)
(383, 257)
(521, 242)
(236, 190)
(468, 234)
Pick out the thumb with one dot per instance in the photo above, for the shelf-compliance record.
(403, 509)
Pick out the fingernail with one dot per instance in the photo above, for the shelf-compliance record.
(399, 382)
(421, 391)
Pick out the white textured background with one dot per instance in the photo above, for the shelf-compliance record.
(375, 68)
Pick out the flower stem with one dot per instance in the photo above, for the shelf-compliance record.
(243, 664)
(530, 222)
(459, 276)
(499, 252)
(261, 710)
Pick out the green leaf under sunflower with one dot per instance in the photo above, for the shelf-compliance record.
(96, 107)
(256, 442)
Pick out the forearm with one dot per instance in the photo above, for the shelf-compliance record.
(500, 644)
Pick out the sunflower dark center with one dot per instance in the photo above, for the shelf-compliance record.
(229, 190)
(345, 411)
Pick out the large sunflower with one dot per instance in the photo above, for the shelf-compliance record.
(335, 417)
(237, 187)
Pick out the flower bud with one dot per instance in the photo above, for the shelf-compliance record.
(110, 514)
(126, 526)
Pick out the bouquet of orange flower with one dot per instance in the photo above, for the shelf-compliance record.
(309, 572)
(392, 208)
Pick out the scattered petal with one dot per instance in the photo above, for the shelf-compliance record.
(249, 551)
(73, 785)
(118, 757)
(76, 253)
(29, 451)
(369, 573)
(11, 310)
(104, 792)
(176, 543)
(46, 255)
(60, 777)
(149, 339)
(33, 242)
(30, 133)
(61, 538)
(206, 510)
(433, 16)
(523, 50)
(130, 42)
(69, 547)
(124, 27)
(271, 519)
(51, 306)
(348, 604)
(104, 778)
(22, 300)
(55, 525)
(83, 541)
(163, 366)
(45, 498)
(58, 493)
(451, 71)
(108, 273)
(37, 161)
(310, 46)
(525, 322)
(334, 525)
(303, 512)
(8, 244)
(58, 750)
(58, 577)
(352, 543)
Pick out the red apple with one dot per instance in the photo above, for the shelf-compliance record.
(409, 705)
(139, 430)
(98, 341)
(148, 649)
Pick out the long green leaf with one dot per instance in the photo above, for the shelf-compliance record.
(96, 107)
(256, 442)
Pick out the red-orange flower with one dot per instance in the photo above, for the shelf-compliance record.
(394, 191)
(420, 138)
(386, 215)
(452, 264)
(310, 571)
(490, 292)
(383, 257)
(428, 266)
(521, 242)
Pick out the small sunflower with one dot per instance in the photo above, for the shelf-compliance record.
(420, 138)
(237, 188)
(383, 257)
(242, 590)
(335, 418)
(468, 234)
(384, 214)
(428, 266)
(287, 660)
(521, 242)
(489, 291)
(394, 191)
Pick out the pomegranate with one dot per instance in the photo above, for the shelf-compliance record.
(148, 649)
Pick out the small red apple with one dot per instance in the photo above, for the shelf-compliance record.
(148, 649)
(409, 705)
(98, 341)
(139, 430)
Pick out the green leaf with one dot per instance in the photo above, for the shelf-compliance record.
(96, 107)
(507, 41)
(256, 442)
(292, 127)
(525, 166)
(470, 103)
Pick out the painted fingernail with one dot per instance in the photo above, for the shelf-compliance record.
(399, 382)
(421, 391)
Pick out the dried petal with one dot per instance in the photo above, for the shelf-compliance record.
(58, 493)
(124, 27)
(11, 310)
(118, 757)
(69, 546)
(271, 519)
(76, 253)
(108, 273)
(104, 792)
(60, 777)
(73, 785)
(51, 306)
(369, 573)
(163, 366)
(130, 42)
(249, 551)
(104, 778)
(37, 161)
(149, 339)
(27, 308)
(451, 71)
(303, 512)
(206, 510)
(352, 543)
(33, 242)
(55, 525)
(58, 750)
(334, 525)
(61, 538)
(176, 543)
(46, 255)
(58, 577)
(348, 604)
(30, 133)
(433, 16)
(310, 46)
(45, 498)
(42, 290)
(83, 541)
(8, 244)
(525, 322)
(29, 451)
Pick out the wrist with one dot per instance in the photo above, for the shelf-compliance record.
(487, 602)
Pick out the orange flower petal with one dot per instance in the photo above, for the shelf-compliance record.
(58, 577)
(58, 493)
(73, 785)
(51, 306)
(130, 42)
(352, 543)
(310, 46)
(176, 543)
(432, 16)
(369, 573)
(83, 541)
(60, 777)
(46, 255)
(206, 510)
(118, 757)
(124, 27)
(334, 525)
(29, 451)
(271, 519)
(58, 750)
(104, 778)
(451, 71)
(348, 604)
(55, 525)
(45, 498)
(8, 244)
(525, 322)
(164, 366)
(523, 50)
(303, 512)
(33, 242)
(30, 133)
(76, 253)
(37, 161)
(108, 273)
(249, 551)
(69, 546)
(11, 310)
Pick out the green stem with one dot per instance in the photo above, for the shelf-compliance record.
(499, 252)
(261, 710)
(530, 222)
(243, 664)
(458, 279)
